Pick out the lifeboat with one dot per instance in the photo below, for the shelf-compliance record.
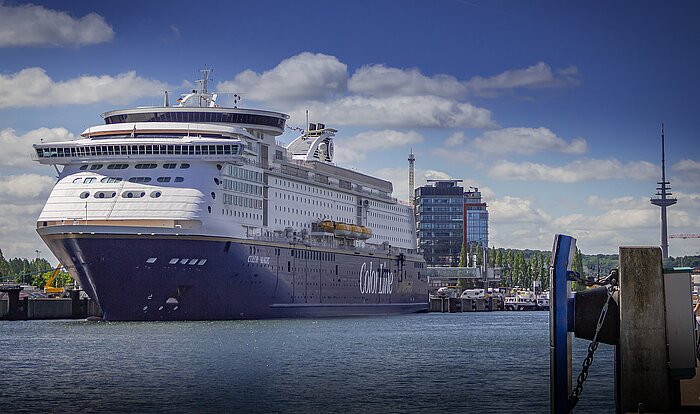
(366, 233)
(355, 231)
(342, 229)
(327, 226)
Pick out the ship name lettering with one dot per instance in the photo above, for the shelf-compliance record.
(380, 281)
(259, 259)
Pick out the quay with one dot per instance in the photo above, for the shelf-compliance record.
(14, 308)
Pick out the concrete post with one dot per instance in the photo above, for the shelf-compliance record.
(643, 354)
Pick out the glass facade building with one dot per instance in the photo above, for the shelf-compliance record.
(447, 217)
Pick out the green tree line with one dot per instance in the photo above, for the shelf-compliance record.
(35, 272)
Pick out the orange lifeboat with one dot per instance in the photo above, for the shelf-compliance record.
(355, 231)
(366, 233)
(342, 230)
(327, 226)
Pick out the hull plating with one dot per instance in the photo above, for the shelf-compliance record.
(198, 278)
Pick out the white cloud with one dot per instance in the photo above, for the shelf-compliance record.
(687, 165)
(18, 230)
(16, 188)
(398, 112)
(399, 178)
(379, 80)
(33, 87)
(527, 141)
(306, 76)
(607, 203)
(30, 25)
(356, 148)
(515, 209)
(17, 149)
(455, 139)
(580, 170)
(537, 76)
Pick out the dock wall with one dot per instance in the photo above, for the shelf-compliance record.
(51, 308)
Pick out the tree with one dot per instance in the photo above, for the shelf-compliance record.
(463, 256)
(479, 255)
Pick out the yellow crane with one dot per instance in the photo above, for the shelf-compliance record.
(52, 290)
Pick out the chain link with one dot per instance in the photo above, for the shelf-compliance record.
(611, 282)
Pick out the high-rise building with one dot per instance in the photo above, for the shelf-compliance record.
(442, 209)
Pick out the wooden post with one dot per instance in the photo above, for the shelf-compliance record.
(643, 354)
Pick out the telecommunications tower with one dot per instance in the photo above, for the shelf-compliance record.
(411, 179)
(664, 198)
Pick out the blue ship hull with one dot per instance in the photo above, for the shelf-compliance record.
(160, 277)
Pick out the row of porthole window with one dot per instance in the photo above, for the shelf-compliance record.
(198, 262)
(137, 166)
(125, 194)
(89, 180)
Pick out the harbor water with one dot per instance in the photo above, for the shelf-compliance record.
(491, 362)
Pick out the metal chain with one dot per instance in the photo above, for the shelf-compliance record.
(588, 361)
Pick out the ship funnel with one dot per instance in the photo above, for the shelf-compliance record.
(166, 102)
(312, 127)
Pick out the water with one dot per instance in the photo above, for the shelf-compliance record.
(495, 362)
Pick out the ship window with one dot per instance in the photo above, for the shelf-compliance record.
(84, 167)
(163, 179)
(95, 166)
(111, 180)
(85, 194)
(89, 180)
(140, 179)
(145, 166)
(213, 195)
(184, 165)
(156, 194)
(151, 260)
(169, 166)
(104, 194)
(201, 262)
(173, 260)
(216, 181)
(117, 166)
(77, 181)
(193, 261)
(179, 179)
(184, 261)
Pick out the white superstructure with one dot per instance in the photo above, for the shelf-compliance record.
(201, 169)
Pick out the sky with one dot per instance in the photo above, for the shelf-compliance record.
(552, 109)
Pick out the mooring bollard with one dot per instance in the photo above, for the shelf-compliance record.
(644, 311)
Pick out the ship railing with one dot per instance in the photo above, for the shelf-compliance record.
(332, 244)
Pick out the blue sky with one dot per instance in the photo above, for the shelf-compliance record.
(553, 109)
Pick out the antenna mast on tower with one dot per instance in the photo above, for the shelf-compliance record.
(665, 199)
(411, 179)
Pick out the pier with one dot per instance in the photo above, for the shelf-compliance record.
(14, 307)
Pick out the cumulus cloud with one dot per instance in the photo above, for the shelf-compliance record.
(379, 80)
(537, 76)
(18, 229)
(30, 25)
(607, 203)
(356, 148)
(25, 187)
(527, 141)
(399, 178)
(33, 87)
(516, 209)
(398, 111)
(686, 165)
(17, 149)
(306, 76)
(580, 170)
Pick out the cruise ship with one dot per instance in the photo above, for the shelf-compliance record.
(194, 211)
